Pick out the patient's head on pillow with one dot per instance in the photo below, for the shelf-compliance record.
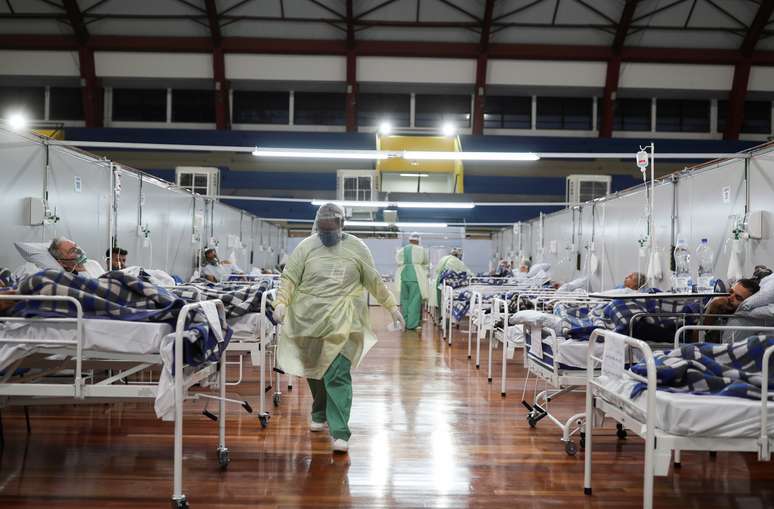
(741, 291)
(68, 254)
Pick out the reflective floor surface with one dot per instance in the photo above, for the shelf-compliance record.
(428, 431)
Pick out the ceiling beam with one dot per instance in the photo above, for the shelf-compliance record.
(350, 105)
(741, 81)
(613, 70)
(76, 21)
(479, 101)
(90, 90)
(222, 120)
(567, 53)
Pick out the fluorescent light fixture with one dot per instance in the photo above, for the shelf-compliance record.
(434, 205)
(414, 175)
(353, 203)
(17, 121)
(470, 156)
(385, 128)
(448, 129)
(382, 224)
(306, 153)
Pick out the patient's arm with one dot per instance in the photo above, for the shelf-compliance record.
(6, 305)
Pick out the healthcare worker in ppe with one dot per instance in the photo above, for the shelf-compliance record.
(411, 280)
(452, 261)
(321, 303)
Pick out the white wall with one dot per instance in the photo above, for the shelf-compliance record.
(116, 64)
(676, 76)
(39, 63)
(416, 70)
(286, 67)
(546, 73)
(701, 210)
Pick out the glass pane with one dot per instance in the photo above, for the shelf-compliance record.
(372, 109)
(200, 180)
(185, 179)
(254, 107)
(350, 194)
(757, 117)
(434, 110)
(363, 183)
(29, 101)
(193, 106)
(66, 103)
(632, 114)
(319, 108)
(350, 183)
(508, 112)
(139, 105)
(549, 113)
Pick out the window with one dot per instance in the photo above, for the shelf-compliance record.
(355, 185)
(372, 109)
(630, 114)
(193, 106)
(254, 107)
(508, 112)
(683, 115)
(30, 101)
(201, 180)
(139, 105)
(564, 113)
(319, 108)
(65, 103)
(757, 117)
(434, 110)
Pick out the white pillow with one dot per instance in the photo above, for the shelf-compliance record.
(538, 267)
(575, 284)
(767, 281)
(764, 297)
(37, 253)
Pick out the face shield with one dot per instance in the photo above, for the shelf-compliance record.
(329, 223)
(457, 251)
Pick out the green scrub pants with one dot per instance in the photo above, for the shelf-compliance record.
(333, 397)
(411, 303)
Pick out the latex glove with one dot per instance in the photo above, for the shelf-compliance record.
(279, 312)
(398, 318)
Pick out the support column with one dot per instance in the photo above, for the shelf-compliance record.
(90, 88)
(609, 96)
(222, 117)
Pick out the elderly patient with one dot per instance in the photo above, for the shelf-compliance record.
(73, 259)
(634, 281)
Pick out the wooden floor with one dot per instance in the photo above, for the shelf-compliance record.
(428, 431)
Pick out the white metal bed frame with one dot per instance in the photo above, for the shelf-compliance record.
(660, 444)
(108, 390)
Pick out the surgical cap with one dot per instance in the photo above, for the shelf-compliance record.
(414, 236)
(457, 251)
(327, 212)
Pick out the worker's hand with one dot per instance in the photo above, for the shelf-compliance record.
(398, 318)
(720, 306)
(279, 313)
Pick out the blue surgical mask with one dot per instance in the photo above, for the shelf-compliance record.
(329, 239)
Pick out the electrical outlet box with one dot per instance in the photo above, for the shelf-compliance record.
(35, 211)
(755, 224)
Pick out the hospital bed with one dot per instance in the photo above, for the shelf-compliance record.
(670, 422)
(56, 361)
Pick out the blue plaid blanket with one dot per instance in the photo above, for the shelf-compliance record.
(580, 320)
(118, 296)
(453, 279)
(731, 369)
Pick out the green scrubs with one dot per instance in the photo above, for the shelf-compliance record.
(410, 294)
(333, 397)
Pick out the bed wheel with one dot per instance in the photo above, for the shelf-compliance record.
(277, 399)
(587, 491)
(531, 421)
(181, 503)
(620, 431)
(223, 458)
(264, 420)
(570, 448)
(582, 441)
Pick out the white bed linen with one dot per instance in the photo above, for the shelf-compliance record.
(695, 415)
(245, 327)
(102, 335)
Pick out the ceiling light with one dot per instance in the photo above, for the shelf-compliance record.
(385, 128)
(414, 175)
(319, 153)
(448, 129)
(353, 203)
(470, 156)
(434, 205)
(17, 121)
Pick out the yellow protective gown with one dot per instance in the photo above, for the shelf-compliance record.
(420, 261)
(324, 290)
(448, 262)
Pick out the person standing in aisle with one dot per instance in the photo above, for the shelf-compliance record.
(452, 261)
(321, 304)
(411, 280)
